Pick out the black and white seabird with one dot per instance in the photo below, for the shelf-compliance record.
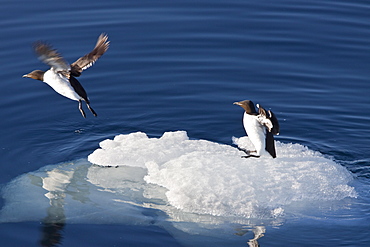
(261, 127)
(61, 75)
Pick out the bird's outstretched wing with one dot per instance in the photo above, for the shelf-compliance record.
(89, 59)
(51, 57)
(268, 119)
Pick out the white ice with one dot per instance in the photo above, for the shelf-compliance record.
(210, 178)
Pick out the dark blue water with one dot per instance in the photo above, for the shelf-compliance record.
(179, 65)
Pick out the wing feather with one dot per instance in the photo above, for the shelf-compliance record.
(51, 57)
(89, 59)
(268, 119)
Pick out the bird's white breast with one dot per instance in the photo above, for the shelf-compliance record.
(60, 84)
(255, 131)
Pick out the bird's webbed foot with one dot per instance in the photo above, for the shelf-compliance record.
(249, 153)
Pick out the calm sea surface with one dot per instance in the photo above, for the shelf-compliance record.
(179, 65)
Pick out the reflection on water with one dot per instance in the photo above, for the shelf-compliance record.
(52, 231)
(70, 188)
(55, 183)
(58, 183)
(258, 231)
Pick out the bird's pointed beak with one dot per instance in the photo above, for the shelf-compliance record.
(26, 75)
(237, 103)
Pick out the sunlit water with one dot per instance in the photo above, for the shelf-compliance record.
(168, 131)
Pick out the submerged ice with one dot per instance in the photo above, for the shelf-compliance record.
(188, 180)
(209, 178)
(183, 185)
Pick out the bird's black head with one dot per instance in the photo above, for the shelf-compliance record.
(36, 74)
(247, 105)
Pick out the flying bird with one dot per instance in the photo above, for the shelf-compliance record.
(61, 75)
(260, 127)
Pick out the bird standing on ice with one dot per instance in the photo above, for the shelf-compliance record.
(61, 75)
(260, 127)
